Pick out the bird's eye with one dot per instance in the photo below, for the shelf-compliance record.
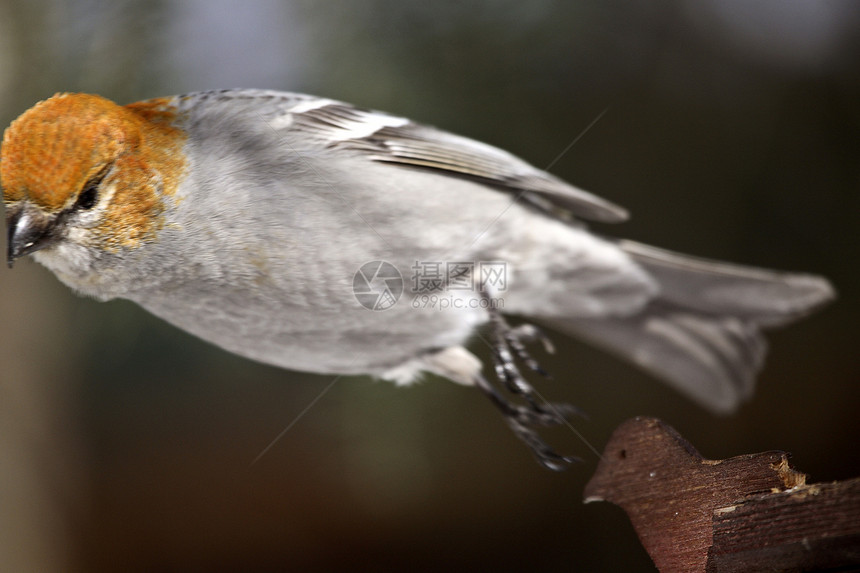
(90, 194)
(88, 197)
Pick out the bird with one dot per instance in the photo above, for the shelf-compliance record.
(314, 235)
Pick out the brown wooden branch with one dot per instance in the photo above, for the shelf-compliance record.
(748, 513)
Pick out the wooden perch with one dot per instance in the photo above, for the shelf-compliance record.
(748, 513)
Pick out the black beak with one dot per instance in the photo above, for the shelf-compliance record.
(29, 230)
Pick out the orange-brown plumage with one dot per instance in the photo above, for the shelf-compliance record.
(52, 151)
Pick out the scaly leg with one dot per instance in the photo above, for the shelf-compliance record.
(508, 348)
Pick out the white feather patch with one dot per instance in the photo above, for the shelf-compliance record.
(311, 104)
(369, 124)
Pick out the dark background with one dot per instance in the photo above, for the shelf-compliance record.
(732, 131)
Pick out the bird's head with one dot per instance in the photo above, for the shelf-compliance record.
(83, 178)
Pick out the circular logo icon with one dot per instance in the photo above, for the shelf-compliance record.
(377, 285)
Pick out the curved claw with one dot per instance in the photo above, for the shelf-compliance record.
(523, 419)
(528, 333)
(545, 455)
(508, 348)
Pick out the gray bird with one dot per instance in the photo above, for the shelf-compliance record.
(313, 235)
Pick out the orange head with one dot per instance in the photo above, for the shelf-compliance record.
(77, 153)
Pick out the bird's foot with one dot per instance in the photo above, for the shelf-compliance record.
(509, 348)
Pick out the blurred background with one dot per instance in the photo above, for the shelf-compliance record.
(732, 130)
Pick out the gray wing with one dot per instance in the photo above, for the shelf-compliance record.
(400, 142)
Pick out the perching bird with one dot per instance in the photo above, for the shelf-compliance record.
(312, 235)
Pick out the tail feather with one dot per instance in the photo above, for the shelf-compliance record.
(702, 334)
(768, 298)
(713, 360)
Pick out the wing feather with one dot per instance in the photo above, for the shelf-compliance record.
(398, 141)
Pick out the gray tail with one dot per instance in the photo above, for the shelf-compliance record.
(702, 333)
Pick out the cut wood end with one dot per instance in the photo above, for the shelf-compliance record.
(790, 477)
